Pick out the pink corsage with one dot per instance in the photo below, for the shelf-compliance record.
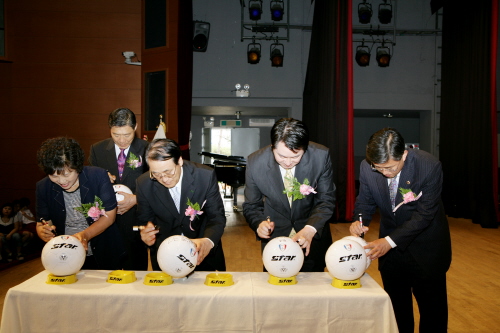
(94, 209)
(298, 191)
(134, 162)
(307, 189)
(408, 196)
(193, 210)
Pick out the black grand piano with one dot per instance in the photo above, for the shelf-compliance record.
(231, 171)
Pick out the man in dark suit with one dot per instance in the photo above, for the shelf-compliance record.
(162, 196)
(414, 248)
(122, 156)
(305, 217)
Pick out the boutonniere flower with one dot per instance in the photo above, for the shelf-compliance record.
(408, 196)
(297, 190)
(193, 211)
(133, 161)
(93, 209)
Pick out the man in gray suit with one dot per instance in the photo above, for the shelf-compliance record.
(414, 248)
(304, 217)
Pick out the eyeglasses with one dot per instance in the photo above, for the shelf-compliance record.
(160, 175)
(389, 169)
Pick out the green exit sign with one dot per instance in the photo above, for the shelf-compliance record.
(230, 123)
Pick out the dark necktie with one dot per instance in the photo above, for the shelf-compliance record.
(393, 189)
(121, 162)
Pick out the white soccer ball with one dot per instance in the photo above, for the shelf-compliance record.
(63, 255)
(176, 256)
(283, 257)
(363, 243)
(121, 188)
(346, 259)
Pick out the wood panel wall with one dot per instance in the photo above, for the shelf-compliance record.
(67, 74)
(165, 58)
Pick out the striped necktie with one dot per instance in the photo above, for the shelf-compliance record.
(288, 182)
(176, 197)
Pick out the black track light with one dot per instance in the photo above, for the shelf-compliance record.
(277, 54)
(255, 9)
(365, 12)
(385, 13)
(383, 56)
(277, 10)
(363, 55)
(253, 53)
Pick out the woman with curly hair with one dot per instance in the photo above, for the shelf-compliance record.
(79, 201)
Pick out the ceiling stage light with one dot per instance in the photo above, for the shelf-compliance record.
(383, 56)
(385, 13)
(277, 54)
(253, 53)
(365, 12)
(277, 10)
(255, 9)
(363, 55)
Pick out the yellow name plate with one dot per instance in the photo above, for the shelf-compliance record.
(158, 279)
(219, 280)
(343, 284)
(67, 279)
(121, 277)
(279, 281)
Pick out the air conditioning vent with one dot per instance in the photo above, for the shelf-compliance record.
(261, 122)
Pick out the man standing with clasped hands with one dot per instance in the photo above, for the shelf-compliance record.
(122, 156)
(289, 162)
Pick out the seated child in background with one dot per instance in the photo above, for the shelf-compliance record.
(8, 233)
(25, 221)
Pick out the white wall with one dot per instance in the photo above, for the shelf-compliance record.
(409, 83)
(224, 64)
(197, 125)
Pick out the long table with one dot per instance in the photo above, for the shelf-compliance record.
(188, 305)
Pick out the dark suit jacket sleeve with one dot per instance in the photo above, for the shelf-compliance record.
(253, 207)
(365, 202)
(214, 210)
(42, 206)
(324, 200)
(145, 212)
(100, 184)
(92, 156)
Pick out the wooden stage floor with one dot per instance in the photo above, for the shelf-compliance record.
(473, 279)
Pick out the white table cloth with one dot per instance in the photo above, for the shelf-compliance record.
(250, 305)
